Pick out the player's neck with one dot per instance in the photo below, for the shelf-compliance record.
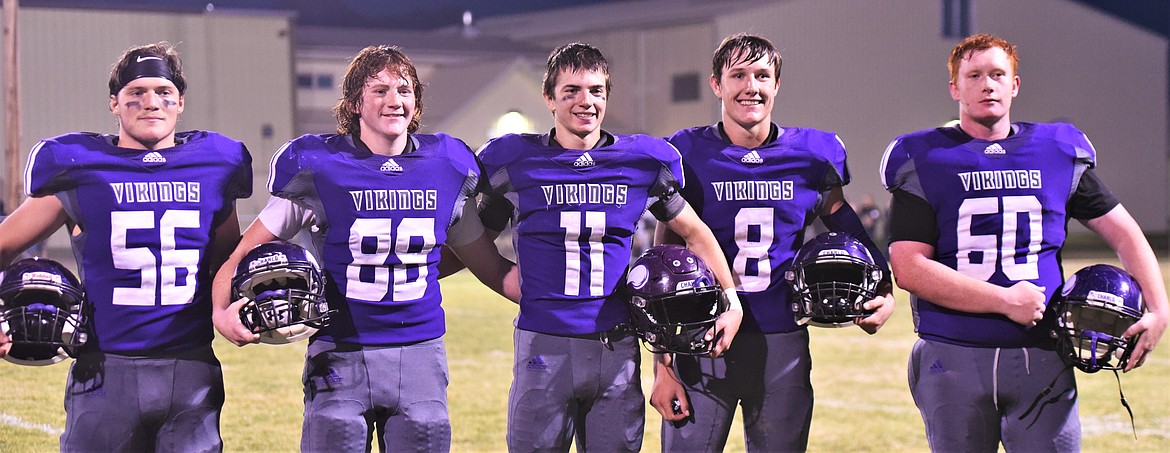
(385, 145)
(569, 140)
(747, 136)
(991, 130)
(126, 140)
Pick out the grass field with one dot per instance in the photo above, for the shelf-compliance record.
(862, 400)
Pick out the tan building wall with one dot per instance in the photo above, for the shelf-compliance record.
(237, 67)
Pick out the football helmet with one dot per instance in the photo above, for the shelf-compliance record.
(831, 277)
(673, 300)
(42, 311)
(285, 290)
(1095, 308)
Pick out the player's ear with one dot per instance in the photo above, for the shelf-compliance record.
(715, 88)
(113, 102)
(1015, 86)
(954, 90)
(180, 105)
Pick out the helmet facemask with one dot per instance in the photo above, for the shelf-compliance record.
(831, 279)
(41, 312)
(285, 293)
(1097, 306)
(678, 322)
(673, 300)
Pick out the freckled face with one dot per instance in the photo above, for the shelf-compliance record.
(387, 105)
(984, 86)
(148, 111)
(578, 102)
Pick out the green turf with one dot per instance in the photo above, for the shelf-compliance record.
(862, 401)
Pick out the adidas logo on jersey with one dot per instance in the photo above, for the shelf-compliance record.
(391, 166)
(153, 157)
(752, 158)
(994, 149)
(584, 161)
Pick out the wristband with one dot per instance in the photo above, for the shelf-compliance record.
(732, 299)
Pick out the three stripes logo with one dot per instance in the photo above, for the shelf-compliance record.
(752, 158)
(584, 161)
(154, 157)
(391, 167)
(994, 150)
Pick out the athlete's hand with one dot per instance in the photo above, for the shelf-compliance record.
(1151, 327)
(668, 393)
(227, 322)
(1023, 303)
(5, 345)
(726, 326)
(883, 307)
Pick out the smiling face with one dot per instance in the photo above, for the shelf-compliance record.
(747, 90)
(984, 85)
(386, 108)
(148, 111)
(578, 106)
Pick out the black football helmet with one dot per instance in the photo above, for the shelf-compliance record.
(285, 290)
(1095, 308)
(673, 300)
(831, 277)
(42, 311)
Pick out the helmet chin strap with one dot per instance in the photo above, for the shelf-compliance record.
(1094, 337)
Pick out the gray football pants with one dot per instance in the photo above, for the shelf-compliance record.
(566, 386)
(400, 392)
(127, 403)
(971, 399)
(767, 375)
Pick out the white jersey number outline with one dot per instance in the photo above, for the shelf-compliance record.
(594, 222)
(758, 250)
(1002, 247)
(404, 287)
(164, 270)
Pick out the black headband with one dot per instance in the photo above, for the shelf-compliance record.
(145, 66)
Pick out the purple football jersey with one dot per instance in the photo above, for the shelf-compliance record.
(758, 202)
(1000, 209)
(380, 223)
(147, 219)
(575, 214)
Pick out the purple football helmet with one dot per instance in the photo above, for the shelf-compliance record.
(285, 291)
(831, 277)
(42, 311)
(673, 300)
(1095, 308)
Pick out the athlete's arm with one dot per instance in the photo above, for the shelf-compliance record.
(484, 261)
(280, 215)
(700, 240)
(1125, 237)
(838, 215)
(34, 221)
(668, 391)
(477, 250)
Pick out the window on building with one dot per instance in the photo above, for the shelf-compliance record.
(685, 87)
(304, 81)
(325, 81)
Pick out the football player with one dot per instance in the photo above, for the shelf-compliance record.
(979, 218)
(757, 185)
(378, 201)
(574, 197)
(151, 213)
